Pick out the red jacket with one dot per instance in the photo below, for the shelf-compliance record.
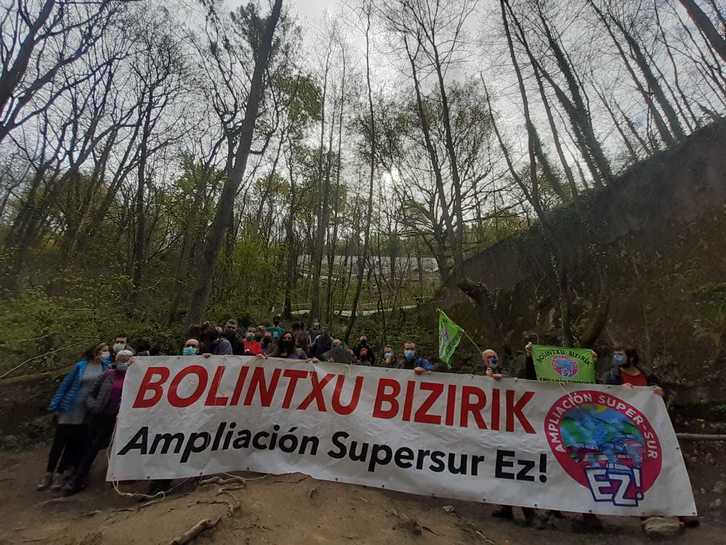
(252, 348)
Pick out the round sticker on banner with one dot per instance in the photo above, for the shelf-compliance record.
(606, 445)
(565, 366)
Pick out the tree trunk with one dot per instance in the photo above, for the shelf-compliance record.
(225, 207)
(704, 24)
(676, 79)
(139, 249)
(577, 109)
(371, 177)
(647, 95)
(616, 122)
(316, 253)
(433, 155)
(652, 81)
(555, 134)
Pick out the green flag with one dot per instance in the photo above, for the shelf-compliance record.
(449, 337)
(560, 364)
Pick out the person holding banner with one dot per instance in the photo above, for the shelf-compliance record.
(490, 361)
(364, 352)
(251, 345)
(69, 406)
(214, 343)
(626, 371)
(338, 354)
(286, 348)
(389, 357)
(411, 361)
(103, 403)
(191, 347)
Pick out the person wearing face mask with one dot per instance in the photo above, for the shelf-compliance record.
(315, 331)
(103, 403)
(252, 345)
(69, 405)
(286, 348)
(268, 346)
(339, 353)
(276, 330)
(191, 347)
(321, 345)
(302, 339)
(626, 371)
(369, 357)
(492, 369)
(214, 343)
(120, 342)
(490, 362)
(411, 360)
(389, 356)
(364, 356)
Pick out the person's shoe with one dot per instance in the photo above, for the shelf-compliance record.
(531, 518)
(588, 523)
(45, 483)
(58, 481)
(504, 512)
(70, 488)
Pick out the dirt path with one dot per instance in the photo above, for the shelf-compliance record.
(291, 509)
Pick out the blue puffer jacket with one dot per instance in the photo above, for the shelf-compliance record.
(68, 390)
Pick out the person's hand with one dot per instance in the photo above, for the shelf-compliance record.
(594, 355)
(497, 376)
(261, 356)
(419, 370)
(528, 348)
(627, 385)
(659, 391)
(313, 360)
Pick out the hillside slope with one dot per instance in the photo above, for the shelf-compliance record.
(652, 242)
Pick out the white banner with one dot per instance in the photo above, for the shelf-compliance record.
(580, 448)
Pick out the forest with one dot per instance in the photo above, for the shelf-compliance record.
(162, 164)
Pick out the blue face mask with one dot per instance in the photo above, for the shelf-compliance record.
(493, 362)
(189, 351)
(409, 354)
(619, 359)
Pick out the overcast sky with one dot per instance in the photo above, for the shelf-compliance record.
(310, 11)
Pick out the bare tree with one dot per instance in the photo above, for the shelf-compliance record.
(35, 48)
(704, 24)
(262, 34)
(371, 129)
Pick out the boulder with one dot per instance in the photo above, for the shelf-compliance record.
(659, 527)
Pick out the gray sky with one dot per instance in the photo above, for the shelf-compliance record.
(311, 12)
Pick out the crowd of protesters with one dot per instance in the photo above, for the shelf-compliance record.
(87, 402)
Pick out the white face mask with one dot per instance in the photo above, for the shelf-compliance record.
(117, 347)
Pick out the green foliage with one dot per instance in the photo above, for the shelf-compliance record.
(711, 301)
(252, 280)
(58, 328)
(303, 99)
